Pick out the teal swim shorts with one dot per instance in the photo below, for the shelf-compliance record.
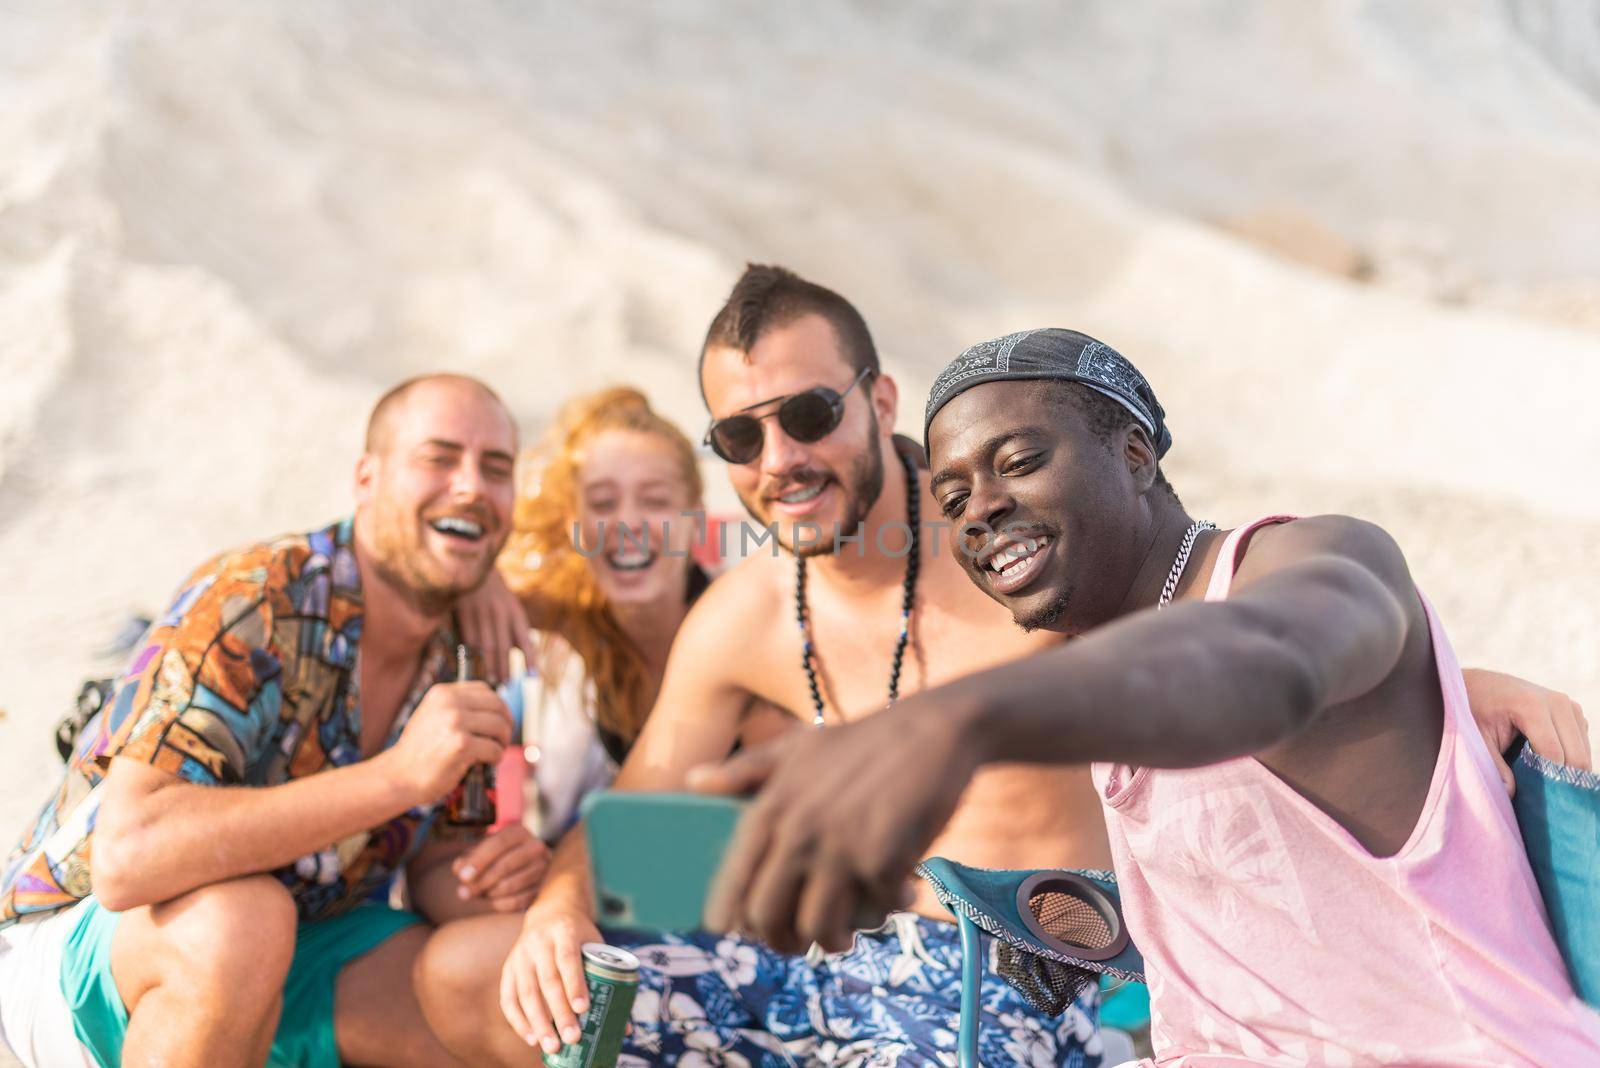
(305, 1036)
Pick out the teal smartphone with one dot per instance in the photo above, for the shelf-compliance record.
(653, 855)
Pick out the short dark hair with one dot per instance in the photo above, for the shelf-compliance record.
(767, 296)
(1105, 418)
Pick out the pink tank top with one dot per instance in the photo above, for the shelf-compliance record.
(1271, 936)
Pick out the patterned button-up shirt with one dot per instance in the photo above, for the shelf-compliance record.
(249, 679)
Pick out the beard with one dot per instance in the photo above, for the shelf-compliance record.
(1046, 615)
(861, 488)
(405, 565)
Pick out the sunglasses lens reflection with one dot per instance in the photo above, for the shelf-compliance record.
(737, 439)
(806, 417)
(810, 416)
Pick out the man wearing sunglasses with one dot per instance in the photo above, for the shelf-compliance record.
(829, 631)
(807, 417)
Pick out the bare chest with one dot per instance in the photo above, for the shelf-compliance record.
(381, 698)
(857, 651)
(1028, 816)
(1011, 816)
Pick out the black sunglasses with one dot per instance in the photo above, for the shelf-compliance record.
(805, 417)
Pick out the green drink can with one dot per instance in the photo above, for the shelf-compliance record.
(613, 976)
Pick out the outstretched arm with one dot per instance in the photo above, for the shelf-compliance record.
(1321, 614)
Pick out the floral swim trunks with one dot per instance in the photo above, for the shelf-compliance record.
(893, 1000)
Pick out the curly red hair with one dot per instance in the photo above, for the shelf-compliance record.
(553, 580)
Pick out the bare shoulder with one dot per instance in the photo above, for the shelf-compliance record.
(736, 613)
(1326, 538)
(747, 592)
(711, 679)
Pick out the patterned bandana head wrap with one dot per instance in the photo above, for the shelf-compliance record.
(1057, 355)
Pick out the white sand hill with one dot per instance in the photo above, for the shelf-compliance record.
(1353, 245)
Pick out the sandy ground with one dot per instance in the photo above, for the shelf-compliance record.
(1353, 247)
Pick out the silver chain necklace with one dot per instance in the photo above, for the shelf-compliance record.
(1182, 561)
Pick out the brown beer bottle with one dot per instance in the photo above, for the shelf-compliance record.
(471, 803)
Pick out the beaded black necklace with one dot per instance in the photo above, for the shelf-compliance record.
(808, 650)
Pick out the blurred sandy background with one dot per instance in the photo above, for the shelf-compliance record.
(1355, 245)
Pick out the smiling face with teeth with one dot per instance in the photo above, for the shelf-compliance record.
(1048, 517)
(434, 490)
(830, 484)
(632, 493)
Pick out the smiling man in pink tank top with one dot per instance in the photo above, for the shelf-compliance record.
(1315, 852)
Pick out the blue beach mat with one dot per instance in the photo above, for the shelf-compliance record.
(1558, 808)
